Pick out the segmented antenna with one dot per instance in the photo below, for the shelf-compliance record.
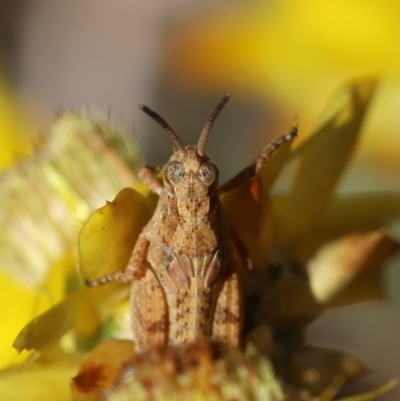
(165, 125)
(209, 123)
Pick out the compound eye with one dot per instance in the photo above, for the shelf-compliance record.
(208, 173)
(174, 172)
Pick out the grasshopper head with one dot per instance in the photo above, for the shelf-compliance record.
(190, 173)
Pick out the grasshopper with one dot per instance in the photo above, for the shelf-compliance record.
(185, 283)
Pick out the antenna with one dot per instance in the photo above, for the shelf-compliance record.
(165, 125)
(210, 121)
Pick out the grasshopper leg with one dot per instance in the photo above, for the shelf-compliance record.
(134, 269)
(147, 175)
(251, 171)
(228, 316)
(148, 313)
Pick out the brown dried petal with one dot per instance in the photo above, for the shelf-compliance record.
(100, 369)
(248, 209)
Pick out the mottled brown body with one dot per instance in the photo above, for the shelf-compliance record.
(190, 257)
(185, 283)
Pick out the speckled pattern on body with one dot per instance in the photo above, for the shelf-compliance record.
(185, 283)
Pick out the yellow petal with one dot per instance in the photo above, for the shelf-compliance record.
(295, 51)
(46, 379)
(107, 238)
(20, 303)
(16, 306)
(323, 159)
(13, 136)
(78, 311)
(338, 262)
(81, 162)
(361, 212)
(48, 327)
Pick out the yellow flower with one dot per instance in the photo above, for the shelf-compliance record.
(13, 145)
(13, 133)
(326, 248)
(307, 220)
(329, 247)
(46, 195)
(294, 52)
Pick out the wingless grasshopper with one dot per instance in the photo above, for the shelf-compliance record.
(185, 283)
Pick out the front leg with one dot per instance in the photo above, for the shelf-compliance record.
(251, 171)
(135, 268)
(147, 174)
